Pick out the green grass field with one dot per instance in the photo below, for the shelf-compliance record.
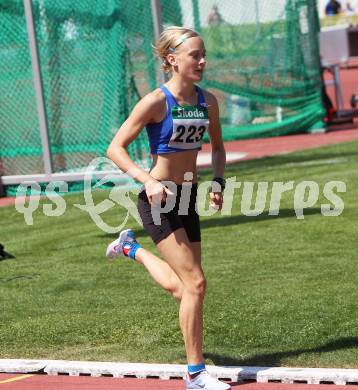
(281, 291)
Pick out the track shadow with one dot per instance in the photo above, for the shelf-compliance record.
(243, 219)
(19, 277)
(275, 359)
(233, 220)
(5, 255)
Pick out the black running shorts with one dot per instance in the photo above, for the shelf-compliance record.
(173, 219)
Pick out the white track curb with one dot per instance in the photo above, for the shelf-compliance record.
(337, 376)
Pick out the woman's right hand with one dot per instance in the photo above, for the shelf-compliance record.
(156, 192)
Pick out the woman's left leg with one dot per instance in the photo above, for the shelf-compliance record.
(183, 257)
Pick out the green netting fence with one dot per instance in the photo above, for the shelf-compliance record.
(264, 64)
(96, 61)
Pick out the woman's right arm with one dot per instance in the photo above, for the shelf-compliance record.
(143, 113)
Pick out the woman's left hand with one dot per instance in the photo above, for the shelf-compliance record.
(216, 200)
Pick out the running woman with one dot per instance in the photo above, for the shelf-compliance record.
(175, 115)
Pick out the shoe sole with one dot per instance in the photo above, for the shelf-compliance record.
(203, 388)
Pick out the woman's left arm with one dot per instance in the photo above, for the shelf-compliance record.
(218, 154)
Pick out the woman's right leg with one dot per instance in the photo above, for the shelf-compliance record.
(181, 275)
(160, 271)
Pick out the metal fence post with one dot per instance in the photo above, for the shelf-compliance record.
(36, 71)
(158, 27)
(196, 12)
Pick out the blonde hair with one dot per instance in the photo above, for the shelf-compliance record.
(169, 40)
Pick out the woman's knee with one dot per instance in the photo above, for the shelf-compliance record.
(197, 286)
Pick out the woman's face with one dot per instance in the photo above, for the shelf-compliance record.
(189, 59)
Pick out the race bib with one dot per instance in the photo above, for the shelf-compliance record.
(189, 126)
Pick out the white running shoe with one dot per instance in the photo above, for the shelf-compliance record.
(122, 245)
(205, 381)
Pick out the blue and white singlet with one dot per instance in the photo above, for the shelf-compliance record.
(182, 128)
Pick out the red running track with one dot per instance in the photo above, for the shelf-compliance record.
(349, 83)
(45, 382)
(263, 147)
